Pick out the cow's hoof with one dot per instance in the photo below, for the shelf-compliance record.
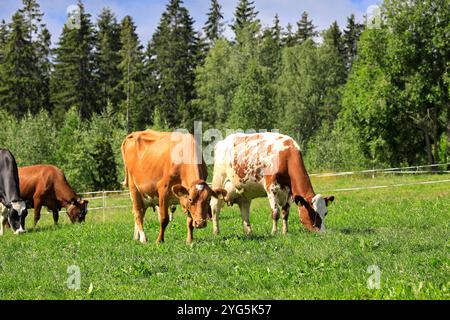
(274, 232)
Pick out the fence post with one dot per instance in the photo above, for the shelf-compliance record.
(104, 205)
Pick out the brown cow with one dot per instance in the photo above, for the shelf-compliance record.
(250, 166)
(162, 168)
(45, 185)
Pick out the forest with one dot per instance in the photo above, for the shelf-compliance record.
(364, 95)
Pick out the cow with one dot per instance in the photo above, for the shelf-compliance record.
(250, 166)
(13, 209)
(46, 185)
(163, 169)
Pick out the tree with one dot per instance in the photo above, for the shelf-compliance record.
(214, 26)
(215, 84)
(74, 80)
(3, 38)
(39, 38)
(305, 29)
(131, 66)
(352, 33)
(108, 47)
(19, 87)
(172, 57)
(271, 48)
(251, 105)
(71, 155)
(244, 15)
(397, 96)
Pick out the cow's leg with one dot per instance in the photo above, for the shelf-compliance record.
(285, 214)
(275, 211)
(2, 223)
(138, 212)
(190, 228)
(55, 216)
(244, 205)
(216, 206)
(37, 213)
(172, 211)
(163, 215)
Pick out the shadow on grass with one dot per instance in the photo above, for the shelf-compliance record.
(350, 231)
(39, 229)
(251, 237)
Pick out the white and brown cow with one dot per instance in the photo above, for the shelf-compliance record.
(250, 166)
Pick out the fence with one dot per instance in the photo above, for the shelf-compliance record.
(105, 195)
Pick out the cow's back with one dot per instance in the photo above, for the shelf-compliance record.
(45, 181)
(9, 177)
(243, 161)
(146, 156)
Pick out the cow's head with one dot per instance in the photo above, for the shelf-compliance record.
(313, 213)
(77, 210)
(17, 212)
(195, 201)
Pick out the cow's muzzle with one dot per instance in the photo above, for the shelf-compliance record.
(200, 224)
(19, 231)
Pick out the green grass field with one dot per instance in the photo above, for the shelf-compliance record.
(403, 231)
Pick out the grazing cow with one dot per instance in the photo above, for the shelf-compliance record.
(250, 166)
(161, 169)
(45, 185)
(13, 210)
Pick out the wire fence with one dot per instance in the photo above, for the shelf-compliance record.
(108, 199)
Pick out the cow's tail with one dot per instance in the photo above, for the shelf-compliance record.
(125, 180)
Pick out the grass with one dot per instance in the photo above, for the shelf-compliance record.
(403, 231)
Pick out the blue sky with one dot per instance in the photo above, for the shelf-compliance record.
(147, 13)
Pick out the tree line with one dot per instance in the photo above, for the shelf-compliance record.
(352, 97)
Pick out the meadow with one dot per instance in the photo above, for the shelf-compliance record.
(402, 232)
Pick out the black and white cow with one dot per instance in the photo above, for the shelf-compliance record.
(13, 209)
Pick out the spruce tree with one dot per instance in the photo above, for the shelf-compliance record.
(244, 15)
(73, 81)
(108, 47)
(18, 88)
(271, 48)
(305, 29)
(3, 38)
(351, 36)
(172, 58)
(131, 66)
(40, 39)
(214, 25)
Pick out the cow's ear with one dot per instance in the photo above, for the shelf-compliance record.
(219, 193)
(329, 200)
(300, 201)
(179, 191)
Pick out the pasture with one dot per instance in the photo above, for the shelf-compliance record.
(402, 231)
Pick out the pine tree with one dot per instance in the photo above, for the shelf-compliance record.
(214, 25)
(288, 37)
(351, 36)
(44, 68)
(305, 29)
(334, 36)
(18, 89)
(33, 17)
(271, 48)
(172, 58)
(40, 39)
(245, 14)
(73, 81)
(131, 66)
(108, 47)
(3, 38)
